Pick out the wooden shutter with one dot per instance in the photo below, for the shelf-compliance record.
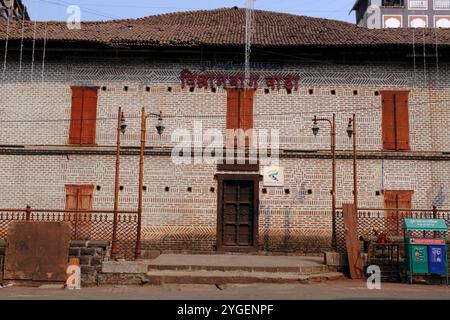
(405, 202)
(85, 197)
(89, 115)
(232, 115)
(388, 120)
(246, 112)
(79, 198)
(390, 201)
(402, 120)
(83, 115)
(397, 199)
(71, 197)
(246, 109)
(232, 108)
(76, 116)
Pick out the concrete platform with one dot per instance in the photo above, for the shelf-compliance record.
(249, 263)
(219, 269)
(236, 277)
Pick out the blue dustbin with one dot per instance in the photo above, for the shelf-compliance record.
(437, 259)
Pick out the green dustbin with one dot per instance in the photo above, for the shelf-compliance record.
(417, 247)
(419, 255)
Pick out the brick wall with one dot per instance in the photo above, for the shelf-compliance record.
(36, 113)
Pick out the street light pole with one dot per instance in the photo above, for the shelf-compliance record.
(160, 128)
(333, 187)
(137, 253)
(333, 199)
(351, 131)
(120, 129)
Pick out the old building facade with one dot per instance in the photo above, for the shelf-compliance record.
(59, 118)
(402, 13)
(13, 10)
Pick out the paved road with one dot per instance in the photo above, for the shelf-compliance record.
(342, 289)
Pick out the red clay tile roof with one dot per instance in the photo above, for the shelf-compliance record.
(225, 27)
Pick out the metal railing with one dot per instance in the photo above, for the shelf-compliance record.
(418, 4)
(85, 225)
(388, 220)
(441, 4)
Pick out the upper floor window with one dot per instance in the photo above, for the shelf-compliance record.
(395, 120)
(442, 21)
(441, 4)
(239, 112)
(83, 116)
(393, 3)
(392, 21)
(418, 4)
(418, 21)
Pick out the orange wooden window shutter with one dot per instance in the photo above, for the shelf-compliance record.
(390, 202)
(246, 112)
(232, 115)
(232, 108)
(402, 120)
(83, 115)
(76, 116)
(85, 197)
(71, 197)
(79, 197)
(405, 202)
(388, 120)
(397, 199)
(89, 116)
(246, 109)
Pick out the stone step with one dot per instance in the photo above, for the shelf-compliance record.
(303, 270)
(159, 277)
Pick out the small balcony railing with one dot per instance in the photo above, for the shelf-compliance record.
(442, 4)
(418, 4)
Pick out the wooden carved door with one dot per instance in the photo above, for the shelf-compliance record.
(237, 219)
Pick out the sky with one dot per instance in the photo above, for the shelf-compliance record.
(45, 10)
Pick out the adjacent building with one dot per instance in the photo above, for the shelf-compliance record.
(59, 114)
(402, 13)
(13, 9)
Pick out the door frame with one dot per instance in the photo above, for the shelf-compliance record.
(255, 178)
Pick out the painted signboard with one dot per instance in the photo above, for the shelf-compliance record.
(426, 241)
(273, 176)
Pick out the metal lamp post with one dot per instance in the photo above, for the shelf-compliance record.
(121, 126)
(351, 131)
(160, 129)
(315, 130)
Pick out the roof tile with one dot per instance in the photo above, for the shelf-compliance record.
(226, 27)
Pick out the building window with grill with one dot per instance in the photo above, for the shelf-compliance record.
(78, 209)
(418, 4)
(239, 114)
(395, 120)
(83, 115)
(393, 3)
(400, 201)
(441, 4)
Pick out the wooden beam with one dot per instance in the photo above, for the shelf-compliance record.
(352, 241)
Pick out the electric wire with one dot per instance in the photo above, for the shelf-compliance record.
(21, 43)
(44, 48)
(33, 51)
(106, 14)
(5, 57)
